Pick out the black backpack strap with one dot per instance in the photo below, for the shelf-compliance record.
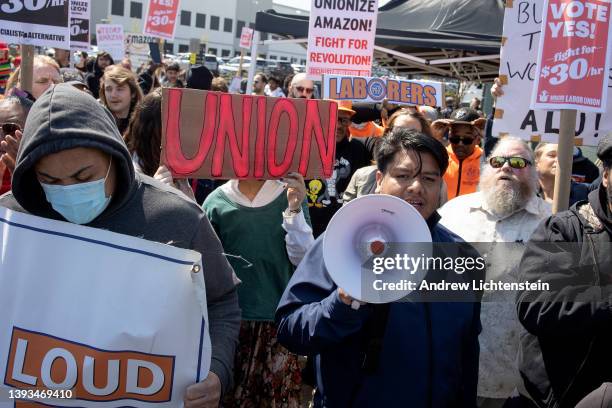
(375, 328)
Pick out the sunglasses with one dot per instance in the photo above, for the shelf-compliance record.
(465, 140)
(10, 128)
(514, 162)
(301, 89)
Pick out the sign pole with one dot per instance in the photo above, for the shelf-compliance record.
(239, 73)
(27, 67)
(253, 65)
(567, 133)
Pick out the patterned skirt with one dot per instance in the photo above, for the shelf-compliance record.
(266, 373)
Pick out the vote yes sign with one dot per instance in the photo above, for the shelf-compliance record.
(161, 18)
(573, 56)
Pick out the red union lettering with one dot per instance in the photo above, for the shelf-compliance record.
(267, 137)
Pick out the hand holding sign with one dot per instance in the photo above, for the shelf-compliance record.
(205, 394)
(10, 145)
(296, 190)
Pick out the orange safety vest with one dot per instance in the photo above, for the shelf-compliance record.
(462, 177)
(369, 129)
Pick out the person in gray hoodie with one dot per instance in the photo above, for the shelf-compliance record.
(73, 165)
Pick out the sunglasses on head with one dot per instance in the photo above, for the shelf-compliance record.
(514, 162)
(465, 140)
(302, 89)
(10, 128)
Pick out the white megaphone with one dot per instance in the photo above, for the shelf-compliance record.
(363, 242)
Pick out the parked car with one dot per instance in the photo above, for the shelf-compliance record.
(282, 69)
(297, 68)
(210, 62)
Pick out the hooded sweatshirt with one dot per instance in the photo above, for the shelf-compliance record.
(65, 118)
(93, 78)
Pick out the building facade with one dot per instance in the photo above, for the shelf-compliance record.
(215, 24)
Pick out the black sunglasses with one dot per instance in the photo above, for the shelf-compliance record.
(303, 89)
(10, 128)
(465, 140)
(514, 162)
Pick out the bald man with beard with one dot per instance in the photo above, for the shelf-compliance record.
(503, 214)
(301, 87)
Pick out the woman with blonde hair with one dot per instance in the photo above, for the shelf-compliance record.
(119, 92)
(45, 74)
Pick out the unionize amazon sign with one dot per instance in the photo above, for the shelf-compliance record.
(341, 37)
(161, 18)
(573, 56)
(111, 39)
(42, 23)
(80, 14)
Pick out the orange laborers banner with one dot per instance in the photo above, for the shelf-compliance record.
(220, 135)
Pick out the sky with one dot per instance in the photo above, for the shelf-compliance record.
(305, 4)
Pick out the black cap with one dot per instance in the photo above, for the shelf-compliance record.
(604, 149)
(200, 77)
(466, 115)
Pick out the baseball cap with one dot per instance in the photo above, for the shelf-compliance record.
(604, 149)
(466, 116)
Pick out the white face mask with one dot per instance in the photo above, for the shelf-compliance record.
(79, 203)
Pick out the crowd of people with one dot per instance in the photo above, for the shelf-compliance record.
(85, 148)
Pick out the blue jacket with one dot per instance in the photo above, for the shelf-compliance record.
(429, 356)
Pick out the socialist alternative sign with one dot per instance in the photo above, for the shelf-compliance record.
(220, 135)
(42, 23)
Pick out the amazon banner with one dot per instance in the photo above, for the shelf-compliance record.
(396, 90)
(222, 136)
(97, 318)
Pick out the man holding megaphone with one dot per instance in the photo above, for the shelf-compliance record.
(400, 354)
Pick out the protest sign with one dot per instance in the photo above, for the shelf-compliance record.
(368, 89)
(246, 37)
(41, 23)
(155, 53)
(341, 37)
(80, 14)
(137, 48)
(101, 316)
(161, 18)
(111, 39)
(573, 57)
(220, 135)
(513, 116)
